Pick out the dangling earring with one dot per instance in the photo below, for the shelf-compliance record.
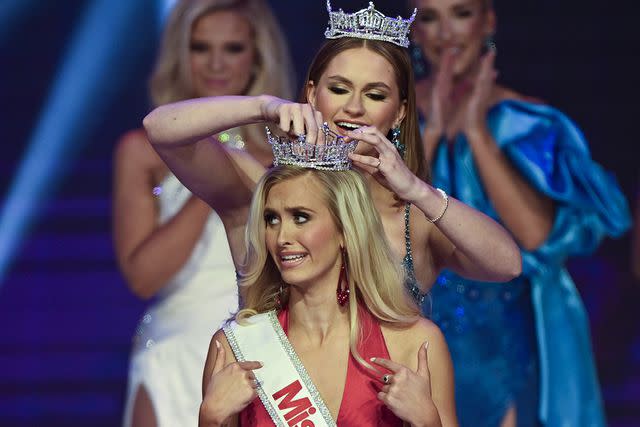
(280, 297)
(490, 43)
(343, 291)
(395, 140)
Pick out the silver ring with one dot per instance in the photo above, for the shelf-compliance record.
(379, 162)
(386, 378)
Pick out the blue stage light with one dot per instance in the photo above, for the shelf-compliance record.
(97, 61)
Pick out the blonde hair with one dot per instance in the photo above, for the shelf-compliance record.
(273, 72)
(171, 77)
(374, 276)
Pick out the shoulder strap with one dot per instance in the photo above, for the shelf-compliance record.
(407, 262)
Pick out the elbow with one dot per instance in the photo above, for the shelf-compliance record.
(140, 289)
(509, 271)
(142, 293)
(516, 266)
(536, 233)
(151, 124)
(512, 263)
(535, 239)
(139, 285)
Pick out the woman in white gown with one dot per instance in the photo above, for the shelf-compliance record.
(171, 247)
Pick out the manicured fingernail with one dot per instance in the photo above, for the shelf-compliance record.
(217, 344)
(426, 345)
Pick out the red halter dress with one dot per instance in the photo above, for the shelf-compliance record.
(360, 406)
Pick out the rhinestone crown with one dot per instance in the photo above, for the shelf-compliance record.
(369, 24)
(332, 155)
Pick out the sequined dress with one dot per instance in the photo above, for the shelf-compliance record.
(526, 343)
(172, 338)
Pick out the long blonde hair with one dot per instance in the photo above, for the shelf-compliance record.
(375, 278)
(273, 72)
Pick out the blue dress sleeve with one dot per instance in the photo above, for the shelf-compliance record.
(552, 154)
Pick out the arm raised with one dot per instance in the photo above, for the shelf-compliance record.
(180, 133)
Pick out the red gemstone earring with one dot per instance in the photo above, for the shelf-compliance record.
(343, 291)
(279, 297)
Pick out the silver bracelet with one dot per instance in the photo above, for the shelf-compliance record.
(446, 205)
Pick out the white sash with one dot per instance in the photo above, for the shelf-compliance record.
(285, 388)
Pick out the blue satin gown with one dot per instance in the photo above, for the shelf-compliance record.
(527, 343)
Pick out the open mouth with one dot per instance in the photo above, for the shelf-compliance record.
(291, 260)
(348, 126)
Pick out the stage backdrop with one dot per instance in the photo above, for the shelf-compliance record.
(73, 78)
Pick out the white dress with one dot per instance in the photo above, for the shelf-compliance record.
(172, 338)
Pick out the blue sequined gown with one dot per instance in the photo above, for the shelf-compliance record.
(526, 343)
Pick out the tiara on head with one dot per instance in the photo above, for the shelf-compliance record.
(332, 155)
(369, 24)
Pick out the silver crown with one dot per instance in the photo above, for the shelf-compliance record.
(333, 154)
(369, 24)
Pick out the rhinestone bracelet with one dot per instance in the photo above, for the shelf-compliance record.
(446, 205)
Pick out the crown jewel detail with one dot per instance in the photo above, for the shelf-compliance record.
(369, 24)
(332, 155)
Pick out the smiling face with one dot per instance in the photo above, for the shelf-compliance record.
(358, 88)
(301, 235)
(457, 26)
(222, 54)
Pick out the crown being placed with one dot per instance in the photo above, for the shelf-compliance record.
(369, 24)
(333, 154)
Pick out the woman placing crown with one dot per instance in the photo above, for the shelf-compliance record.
(361, 84)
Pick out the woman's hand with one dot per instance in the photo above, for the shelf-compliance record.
(408, 393)
(230, 389)
(293, 118)
(474, 115)
(387, 167)
(440, 96)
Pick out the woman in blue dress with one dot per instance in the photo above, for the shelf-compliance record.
(521, 351)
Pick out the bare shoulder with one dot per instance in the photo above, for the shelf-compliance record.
(404, 342)
(221, 338)
(505, 94)
(420, 331)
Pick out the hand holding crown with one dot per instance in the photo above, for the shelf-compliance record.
(387, 167)
(293, 118)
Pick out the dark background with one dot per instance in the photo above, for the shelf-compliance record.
(66, 317)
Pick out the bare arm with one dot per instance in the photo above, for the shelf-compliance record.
(180, 134)
(433, 363)
(208, 416)
(442, 378)
(527, 213)
(466, 240)
(149, 254)
(475, 245)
